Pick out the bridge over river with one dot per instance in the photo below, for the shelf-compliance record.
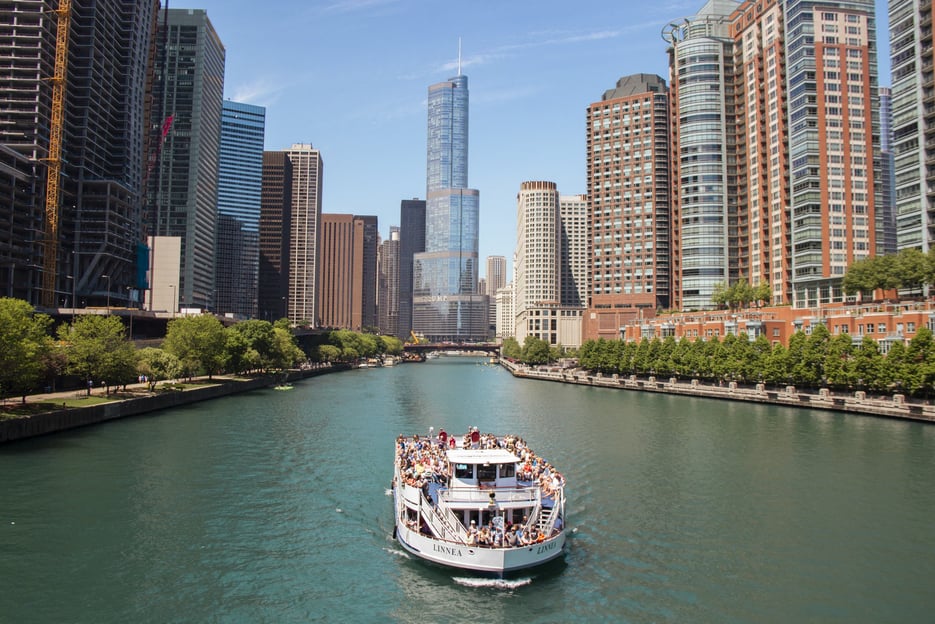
(425, 347)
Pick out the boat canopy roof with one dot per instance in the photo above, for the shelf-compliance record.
(482, 456)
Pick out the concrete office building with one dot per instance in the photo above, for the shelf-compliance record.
(388, 284)
(305, 223)
(183, 187)
(539, 266)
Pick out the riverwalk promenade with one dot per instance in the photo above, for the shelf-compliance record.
(132, 400)
(894, 406)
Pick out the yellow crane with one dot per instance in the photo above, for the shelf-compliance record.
(54, 157)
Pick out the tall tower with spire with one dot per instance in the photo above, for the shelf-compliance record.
(446, 303)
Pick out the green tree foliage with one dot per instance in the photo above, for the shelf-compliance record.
(199, 342)
(511, 349)
(811, 360)
(98, 349)
(285, 353)
(919, 363)
(391, 345)
(25, 347)
(158, 365)
(910, 269)
(739, 294)
(536, 351)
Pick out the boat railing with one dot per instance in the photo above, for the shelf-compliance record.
(440, 525)
(548, 515)
(462, 495)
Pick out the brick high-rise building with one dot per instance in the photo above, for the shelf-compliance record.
(628, 204)
(344, 253)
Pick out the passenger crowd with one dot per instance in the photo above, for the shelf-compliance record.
(422, 459)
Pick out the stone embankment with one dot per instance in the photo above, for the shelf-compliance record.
(895, 406)
(69, 418)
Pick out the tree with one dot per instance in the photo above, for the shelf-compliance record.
(285, 352)
(919, 363)
(762, 292)
(536, 351)
(511, 349)
(259, 337)
(913, 269)
(198, 342)
(158, 365)
(98, 348)
(24, 343)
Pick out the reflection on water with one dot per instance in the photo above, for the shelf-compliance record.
(273, 506)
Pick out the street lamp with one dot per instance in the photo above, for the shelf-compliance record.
(172, 286)
(107, 277)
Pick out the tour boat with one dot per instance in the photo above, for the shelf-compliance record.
(478, 502)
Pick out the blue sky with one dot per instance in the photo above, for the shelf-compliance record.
(351, 77)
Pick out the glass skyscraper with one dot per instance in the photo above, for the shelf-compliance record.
(446, 304)
(240, 180)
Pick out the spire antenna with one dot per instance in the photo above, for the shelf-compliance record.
(459, 56)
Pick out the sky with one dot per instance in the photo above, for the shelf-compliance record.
(351, 77)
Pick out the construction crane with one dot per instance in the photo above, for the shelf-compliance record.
(54, 157)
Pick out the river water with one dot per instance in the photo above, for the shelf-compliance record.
(273, 507)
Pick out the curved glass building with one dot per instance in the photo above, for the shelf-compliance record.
(446, 304)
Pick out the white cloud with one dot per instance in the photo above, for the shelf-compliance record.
(262, 92)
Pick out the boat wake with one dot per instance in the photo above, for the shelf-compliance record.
(399, 553)
(468, 581)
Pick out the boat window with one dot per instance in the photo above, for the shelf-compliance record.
(487, 472)
(507, 470)
(464, 471)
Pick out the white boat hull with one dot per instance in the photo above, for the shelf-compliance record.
(480, 559)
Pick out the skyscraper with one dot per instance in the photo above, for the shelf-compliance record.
(886, 209)
(240, 182)
(388, 284)
(495, 280)
(342, 255)
(911, 44)
(703, 177)
(275, 228)
(183, 188)
(540, 264)
(109, 74)
(307, 172)
(411, 242)
(833, 120)
(446, 305)
(628, 203)
(496, 274)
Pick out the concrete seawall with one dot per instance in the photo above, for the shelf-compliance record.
(69, 418)
(895, 406)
